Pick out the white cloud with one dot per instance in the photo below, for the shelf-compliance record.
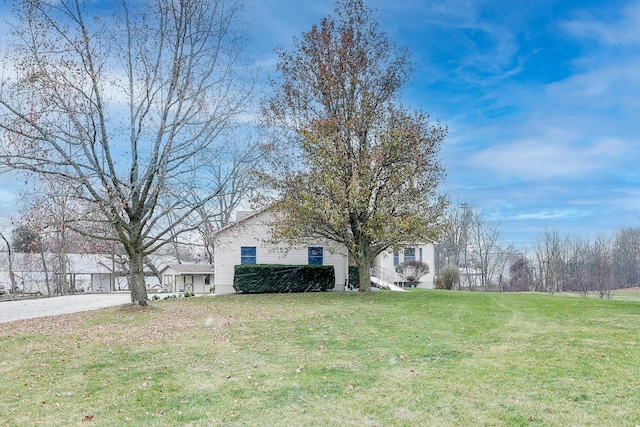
(624, 30)
(552, 152)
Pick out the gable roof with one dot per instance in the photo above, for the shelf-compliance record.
(190, 268)
(245, 218)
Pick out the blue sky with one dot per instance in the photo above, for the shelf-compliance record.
(541, 98)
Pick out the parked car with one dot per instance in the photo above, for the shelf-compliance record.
(3, 289)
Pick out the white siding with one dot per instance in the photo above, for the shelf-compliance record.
(385, 262)
(254, 231)
(176, 281)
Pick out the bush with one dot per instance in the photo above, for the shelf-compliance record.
(412, 271)
(450, 276)
(354, 277)
(270, 278)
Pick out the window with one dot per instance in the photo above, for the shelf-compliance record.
(396, 258)
(248, 255)
(409, 254)
(420, 254)
(315, 255)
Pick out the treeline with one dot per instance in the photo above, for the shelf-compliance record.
(558, 262)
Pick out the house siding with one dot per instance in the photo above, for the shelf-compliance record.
(254, 231)
(384, 261)
(177, 281)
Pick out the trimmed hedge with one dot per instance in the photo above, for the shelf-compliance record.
(354, 277)
(275, 278)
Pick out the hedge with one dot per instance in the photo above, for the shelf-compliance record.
(275, 278)
(354, 277)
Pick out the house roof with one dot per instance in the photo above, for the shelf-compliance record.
(246, 217)
(190, 268)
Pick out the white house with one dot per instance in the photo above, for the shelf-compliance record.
(187, 278)
(248, 241)
(40, 273)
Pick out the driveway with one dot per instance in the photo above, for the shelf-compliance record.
(41, 307)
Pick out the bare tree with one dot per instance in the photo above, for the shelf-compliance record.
(12, 277)
(626, 257)
(550, 248)
(485, 245)
(125, 105)
(576, 266)
(452, 246)
(601, 267)
(475, 246)
(236, 172)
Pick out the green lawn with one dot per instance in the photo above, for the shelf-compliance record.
(424, 358)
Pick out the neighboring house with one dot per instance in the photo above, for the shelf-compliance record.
(248, 241)
(41, 273)
(187, 278)
(83, 272)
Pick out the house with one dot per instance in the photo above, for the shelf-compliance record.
(248, 241)
(42, 273)
(187, 278)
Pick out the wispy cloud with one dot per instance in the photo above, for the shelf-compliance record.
(621, 29)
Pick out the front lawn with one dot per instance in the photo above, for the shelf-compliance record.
(346, 359)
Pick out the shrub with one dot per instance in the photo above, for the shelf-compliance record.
(450, 276)
(412, 271)
(354, 277)
(271, 278)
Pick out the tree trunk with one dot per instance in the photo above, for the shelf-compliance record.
(46, 273)
(12, 277)
(364, 270)
(137, 286)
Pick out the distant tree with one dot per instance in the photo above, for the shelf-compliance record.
(601, 267)
(12, 277)
(484, 243)
(453, 245)
(626, 257)
(475, 245)
(550, 253)
(450, 276)
(26, 240)
(521, 275)
(364, 172)
(128, 105)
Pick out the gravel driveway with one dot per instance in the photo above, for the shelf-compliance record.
(41, 307)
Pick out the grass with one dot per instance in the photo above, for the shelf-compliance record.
(345, 359)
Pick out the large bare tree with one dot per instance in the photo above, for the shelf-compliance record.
(366, 172)
(126, 103)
